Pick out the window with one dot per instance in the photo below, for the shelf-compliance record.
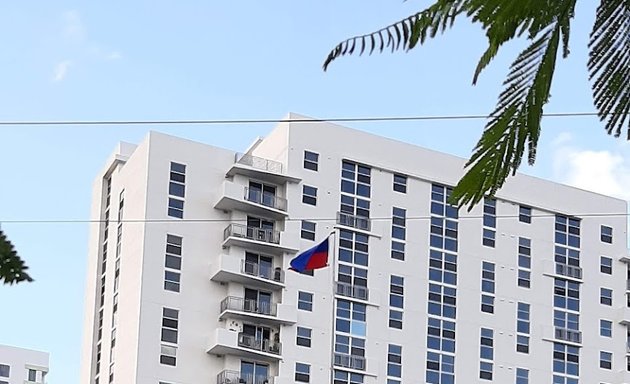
(173, 263)
(398, 250)
(524, 215)
(522, 376)
(309, 195)
(442, 300)
(489, 222)
(605, 360)
(443, 220)
(355, 179)
(566, 360)
(168, 355)
(522, 327)
(396, 301)
(566, 294)
(302, 372)
(169, 325)
(487, 287)
(440, 368)
(442, 267)
(308, 230)
(398, 223)
(441, 335)
(400, 183)
(567, 231)
(32, 375)
(353, 248)
(605, 296)
(176, 208)
(303, 337)
(343, 377)
(5, 370)
(606, 234)
(486, 353)
(311, 160)
(524, 262)
(351, 318)
(395, 319)
(605, 328)
(394, 360)
(305, 301)
(176, 190)
(605, 265)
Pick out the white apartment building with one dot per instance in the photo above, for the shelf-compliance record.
(188, 278)
(22, 366)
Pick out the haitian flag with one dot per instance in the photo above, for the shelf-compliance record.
(313, 258)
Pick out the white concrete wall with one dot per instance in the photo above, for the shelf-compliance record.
(20, 360)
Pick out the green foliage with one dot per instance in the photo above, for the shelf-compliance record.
(12, 268)
(514, 125)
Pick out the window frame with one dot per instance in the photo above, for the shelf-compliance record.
(400, 185)
(309, 195)
(305, 303)
(309, 163)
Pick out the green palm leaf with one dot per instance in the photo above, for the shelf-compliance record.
(609, 64)
(12, 268)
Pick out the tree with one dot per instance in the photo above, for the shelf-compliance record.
(12, 268)
(515, 122)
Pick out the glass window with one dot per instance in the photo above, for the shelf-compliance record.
(522, 376)
(605, 328)
(309, 195)
(173, 263)
(605, 360)
(394, 360)
(398, 250)
(168, 355)
(605, 296)
(5, 370)
(303, 337)
(524, 214)
(308, 230)
(32, 375)
(606, 234)
(170, 325)
(311, 160)
(302, 372)
(605, 265)
(176, 208)
(400, 183)
(305, 301)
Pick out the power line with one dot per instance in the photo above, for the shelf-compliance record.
(384, 218)
(263, 121)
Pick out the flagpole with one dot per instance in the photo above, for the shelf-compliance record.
(332, 302)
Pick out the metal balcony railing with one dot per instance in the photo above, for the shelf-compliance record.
(252, 233)
(568, 270)
(262, 271)
(236, 377)
(264, 198)
(259, 163)
(262, 345)
(240, 304)
(353, 221)
(349, 361)
(350, 290)
(568, 335)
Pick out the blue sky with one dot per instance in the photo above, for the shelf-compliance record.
(119, 60)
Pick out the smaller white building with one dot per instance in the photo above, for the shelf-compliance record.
(22, 366)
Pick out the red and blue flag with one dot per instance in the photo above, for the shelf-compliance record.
(313, 258)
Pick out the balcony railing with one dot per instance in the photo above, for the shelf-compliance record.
(568, 335)
(353, 221)
(262, 271)
(240, 304)
(569, 270)
(349, 361)
(259, 163)
(252, 233)
(236, 377)
(264, 198)
(349, 290)
(262, 345)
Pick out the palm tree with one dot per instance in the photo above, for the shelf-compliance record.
(515, 122)
(12, 268)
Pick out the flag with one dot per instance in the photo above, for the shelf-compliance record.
(313, 258)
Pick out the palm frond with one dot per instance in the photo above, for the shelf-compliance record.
(404, 34)
(12, 268)
(609, 64)
(514, 123)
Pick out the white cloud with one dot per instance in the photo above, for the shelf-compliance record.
(606, 171)
(73, 27)
(61, 70)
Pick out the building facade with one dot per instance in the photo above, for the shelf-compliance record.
(22, 366)
(188, 281)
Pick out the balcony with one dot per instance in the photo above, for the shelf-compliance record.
(569, 271)
(227, 342)
(623, 315)
(353, 221)
(237, 197)
(232, 268)
(260, 168)
(257, 239)
(569, 335)
(241, 308)
(354, 291)
(236, 377)
(349, 361)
